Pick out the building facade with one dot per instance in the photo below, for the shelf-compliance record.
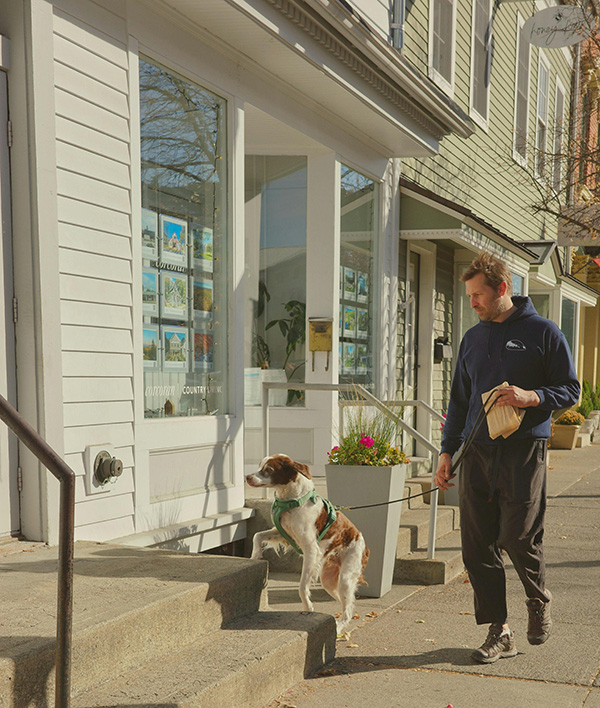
(187, 185)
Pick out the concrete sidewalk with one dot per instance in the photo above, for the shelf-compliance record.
(411, 648)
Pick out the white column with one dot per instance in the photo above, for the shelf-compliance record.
(322, 296)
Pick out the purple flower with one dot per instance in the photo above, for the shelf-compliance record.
(367, 441)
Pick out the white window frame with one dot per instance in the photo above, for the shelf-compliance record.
(481, 121)
(434, 74)
(558, 134)
(521, 159)
(542, 62)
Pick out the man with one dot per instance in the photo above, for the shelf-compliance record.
(502, 484)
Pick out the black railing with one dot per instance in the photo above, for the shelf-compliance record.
(65, 475)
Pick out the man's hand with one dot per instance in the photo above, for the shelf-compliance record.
(515, 396)
(442, 474)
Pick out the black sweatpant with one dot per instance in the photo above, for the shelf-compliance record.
(502, 496)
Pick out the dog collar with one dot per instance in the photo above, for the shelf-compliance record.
(280, 506)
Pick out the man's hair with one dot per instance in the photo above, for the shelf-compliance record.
(494, 270)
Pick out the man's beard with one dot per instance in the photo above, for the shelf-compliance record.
(493, 311)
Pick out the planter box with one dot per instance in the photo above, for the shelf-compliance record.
(564, 437)
(358, 485)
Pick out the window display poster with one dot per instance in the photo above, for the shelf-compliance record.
(203, 351)
(341, 321)
(173, 239)
(150, 291)
(341, 281)
(362, 358)
(349, 321)
(149, 234)
(203, 297)
(362, 287)
(362, 323)
(150, 346)
(175, 348)
(174, 303)
(348, 358)
(202, 244)
(349, 284)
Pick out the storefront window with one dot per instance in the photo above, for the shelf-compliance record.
(567, 321)
(275, 225)
(359, 227)
(184, 254)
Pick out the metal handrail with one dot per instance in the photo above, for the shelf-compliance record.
(65, 475)
(374, 401)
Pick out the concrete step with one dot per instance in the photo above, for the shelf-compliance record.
(131, 605)
(247, 664)
(444, 567)
(414, 527)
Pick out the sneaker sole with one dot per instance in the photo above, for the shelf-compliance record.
(492, 659)
(536, 641)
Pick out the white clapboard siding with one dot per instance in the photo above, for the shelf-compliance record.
(97, 364)
(77, 109)
(92, 265)
(105, 530)
(93, 144)
(123, 485)
(97, 508)
(95, 339)
(106, 18)
(97, 67)
(95, 314)
(80, 389)
(76, 186)
(72, 211)
(73, 287)
(83, 414)
(91, 90)
(91, 241)
(118, 434)
(80, 160)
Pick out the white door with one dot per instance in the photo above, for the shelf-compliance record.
(9, 494)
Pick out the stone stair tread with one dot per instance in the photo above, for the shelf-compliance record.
(445, 566)
(222, 669)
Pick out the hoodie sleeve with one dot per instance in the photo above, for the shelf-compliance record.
(458, 407)
(563, 388)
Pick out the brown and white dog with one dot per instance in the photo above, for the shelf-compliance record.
(340, 556)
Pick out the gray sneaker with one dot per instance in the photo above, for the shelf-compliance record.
(540, 622)
(496, 646)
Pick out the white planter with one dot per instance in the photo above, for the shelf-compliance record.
(358, 485)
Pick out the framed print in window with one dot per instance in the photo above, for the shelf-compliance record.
(151, 347)
(203, 351)
(362, 323)
(150, 291)
(149, 234)
(349, 358)
(362, 358)
(174, 290)
(173, 240)
(202, 247)
(349, 284)
(175, 348)
(349, 321)
(362, 287)
(203, 298)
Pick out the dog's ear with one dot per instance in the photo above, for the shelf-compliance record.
(302, 468)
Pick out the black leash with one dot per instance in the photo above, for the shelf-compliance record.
(478, 423)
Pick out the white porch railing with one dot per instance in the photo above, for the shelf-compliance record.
(369, 400)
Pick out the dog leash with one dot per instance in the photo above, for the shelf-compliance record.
(478, 423)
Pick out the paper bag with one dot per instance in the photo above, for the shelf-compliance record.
(501, 420)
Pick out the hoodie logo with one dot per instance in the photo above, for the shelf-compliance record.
(515, 345)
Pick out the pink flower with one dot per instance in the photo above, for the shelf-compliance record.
(367, 441)
(335, 447)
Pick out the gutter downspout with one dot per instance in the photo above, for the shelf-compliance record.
(397, 23)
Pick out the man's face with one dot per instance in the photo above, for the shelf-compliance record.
(486, 301)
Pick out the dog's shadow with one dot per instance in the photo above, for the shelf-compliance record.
(289, 596)
(448, 657)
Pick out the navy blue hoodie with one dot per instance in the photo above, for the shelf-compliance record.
(525, 350)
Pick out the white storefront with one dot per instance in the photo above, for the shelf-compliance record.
(182, 176)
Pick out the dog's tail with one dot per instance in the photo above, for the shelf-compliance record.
(365, 560)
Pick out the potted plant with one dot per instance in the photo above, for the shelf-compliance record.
(366, 468)
(565, 430)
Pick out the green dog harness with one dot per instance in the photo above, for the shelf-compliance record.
(282, 505)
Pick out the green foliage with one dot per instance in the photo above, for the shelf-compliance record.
(585, 407)
(369, 440)
(590, 399)
(570, 417)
